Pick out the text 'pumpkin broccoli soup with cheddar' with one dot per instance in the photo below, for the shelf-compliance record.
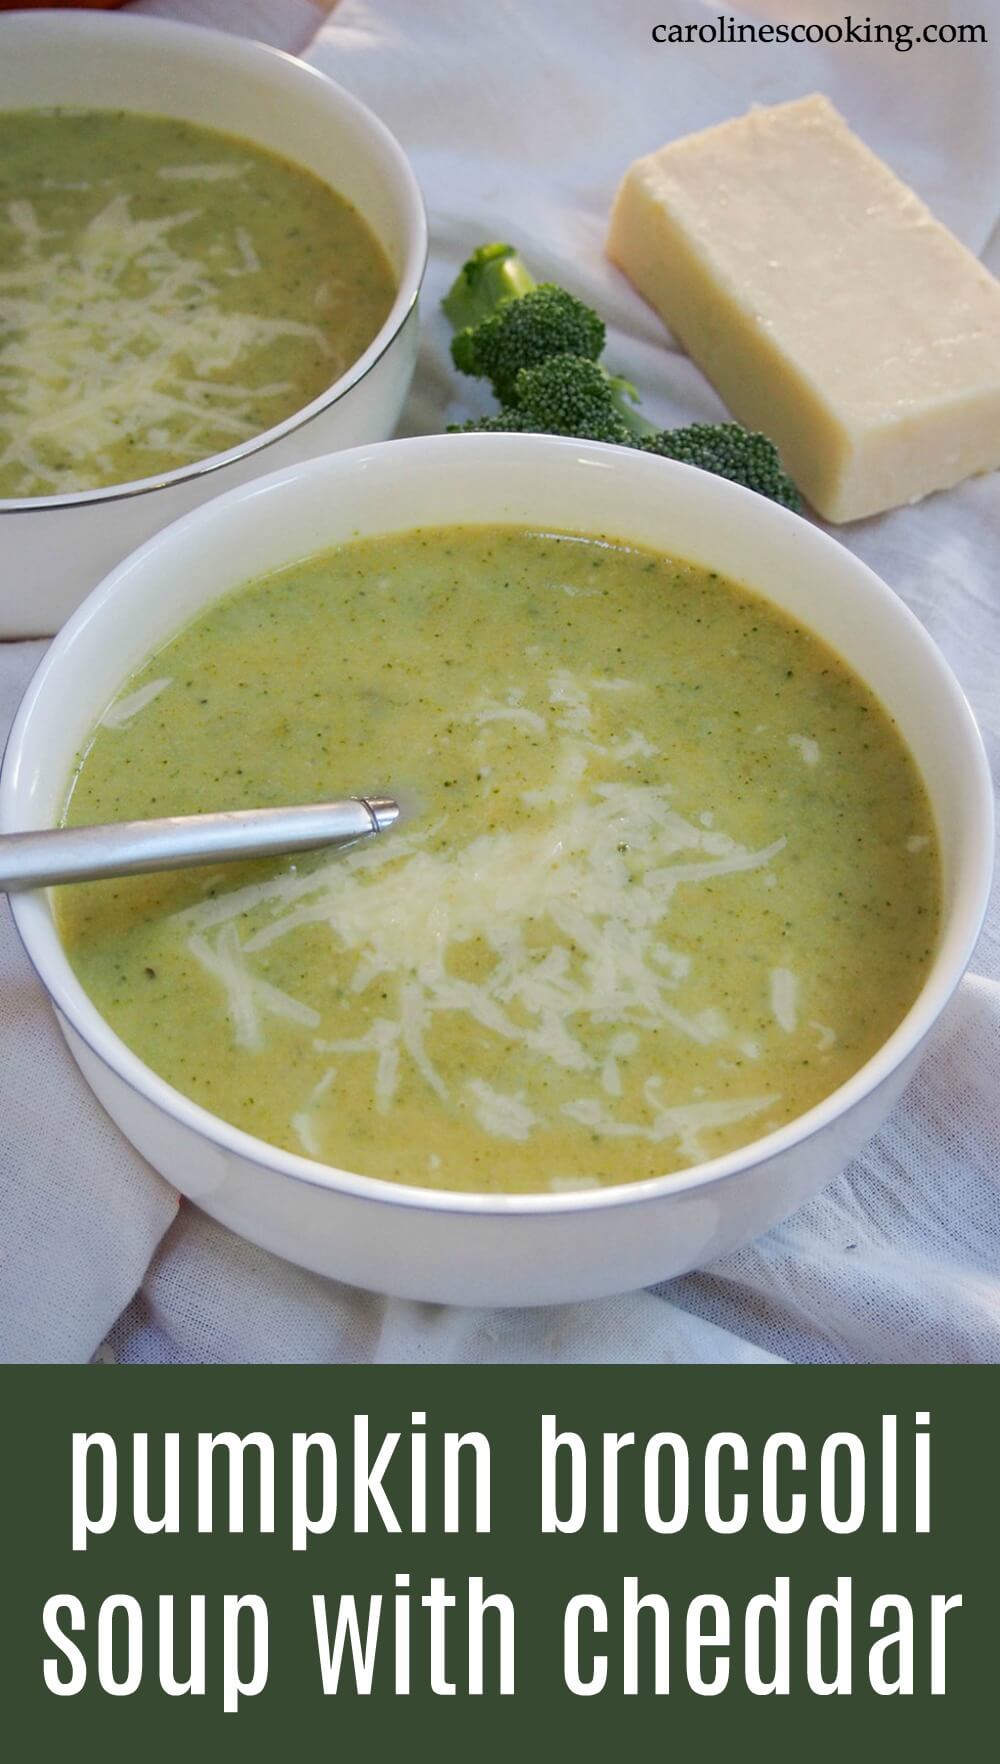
(668, 875)
(166, 293)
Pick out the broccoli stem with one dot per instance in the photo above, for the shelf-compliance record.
(492, 274)
(625, 399)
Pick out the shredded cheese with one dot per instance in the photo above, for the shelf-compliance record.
(212, 173)
(507, 1117)
(303, 1122)
(807, 747)
(247, 995)
(587, 871)
(684, 1122)
(598, 869)
(117, 337)
(784, 999)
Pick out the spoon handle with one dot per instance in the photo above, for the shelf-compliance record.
(127, 848)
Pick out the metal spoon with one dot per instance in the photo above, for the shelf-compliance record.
(128, 848)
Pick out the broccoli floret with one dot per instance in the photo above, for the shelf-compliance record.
(539, 347)
(504, 320)
(507, 322)
(523, 332)
(505, 421)
(730, 451)
(570, 395)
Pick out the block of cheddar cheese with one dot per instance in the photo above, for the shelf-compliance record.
(823, 300)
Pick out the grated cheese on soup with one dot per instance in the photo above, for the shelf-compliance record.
(622, 928)
(161, 305)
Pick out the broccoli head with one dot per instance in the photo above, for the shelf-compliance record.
(523, 332)
(730, 451)
(569, 395)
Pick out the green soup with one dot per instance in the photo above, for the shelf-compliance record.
(166, 292)
(668, 875)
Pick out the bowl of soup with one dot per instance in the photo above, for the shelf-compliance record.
(695, 847)
(210, 260)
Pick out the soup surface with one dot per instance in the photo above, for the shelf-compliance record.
(166, 292)
(667, 878)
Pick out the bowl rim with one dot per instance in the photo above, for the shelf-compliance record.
(53, 969)
(97, 25)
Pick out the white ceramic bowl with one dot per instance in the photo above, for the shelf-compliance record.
(476, 1248)
(54, 549)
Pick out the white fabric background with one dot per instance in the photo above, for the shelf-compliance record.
(520, 116)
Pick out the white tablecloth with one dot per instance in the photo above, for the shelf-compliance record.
(519, 118)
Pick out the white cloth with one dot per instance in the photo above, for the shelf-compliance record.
(520, 117)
